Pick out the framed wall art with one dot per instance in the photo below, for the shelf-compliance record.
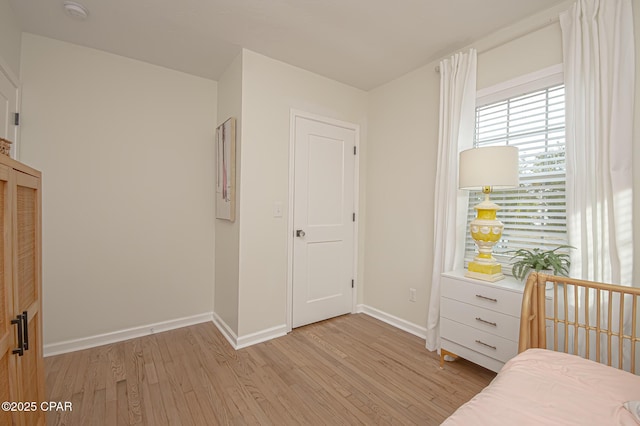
(226, 170)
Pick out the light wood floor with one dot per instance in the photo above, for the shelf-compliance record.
(348, 370)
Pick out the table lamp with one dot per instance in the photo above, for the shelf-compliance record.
(486, 169)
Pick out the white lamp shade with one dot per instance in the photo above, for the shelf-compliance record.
(494, 166)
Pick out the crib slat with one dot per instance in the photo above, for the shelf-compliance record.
(587, 322)
(609, 317)
(566, 315)
(555, 318)
(621, 330)
(634, 321)
(576, 319)
(598, 323)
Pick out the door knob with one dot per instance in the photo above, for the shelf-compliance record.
(300, 233)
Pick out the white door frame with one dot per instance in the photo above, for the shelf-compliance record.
(290, 232)
(4, 69)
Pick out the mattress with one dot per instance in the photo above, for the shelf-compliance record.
(542, 387)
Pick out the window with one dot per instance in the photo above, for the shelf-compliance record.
(534, 215)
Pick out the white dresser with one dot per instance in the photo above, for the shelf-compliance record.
(480, 320)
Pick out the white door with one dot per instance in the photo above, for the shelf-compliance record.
(323, 218)
(8, 108)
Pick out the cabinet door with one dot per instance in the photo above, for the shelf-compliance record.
(8, 385)
(27, 288)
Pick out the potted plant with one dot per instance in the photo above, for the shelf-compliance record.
(539, 260)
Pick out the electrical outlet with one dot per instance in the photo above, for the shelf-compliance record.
(412, 295)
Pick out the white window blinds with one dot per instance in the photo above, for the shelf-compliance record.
(534, 215)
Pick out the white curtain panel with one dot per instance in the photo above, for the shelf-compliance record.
(599, 74)
(457, 118)
(599, 71)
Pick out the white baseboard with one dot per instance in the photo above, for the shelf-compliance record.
(262, 336)
(278, 331)
(226, 331)
(121, 335)
(250, 339)
(235, 341)
(405, 325)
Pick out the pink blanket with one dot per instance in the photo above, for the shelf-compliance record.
(541, 387)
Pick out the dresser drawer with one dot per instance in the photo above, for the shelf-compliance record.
(488, 296)
(478, 340)
(493, 322)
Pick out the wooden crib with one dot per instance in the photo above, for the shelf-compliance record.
(593, 320)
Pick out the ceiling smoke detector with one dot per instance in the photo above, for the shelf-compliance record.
(75, 10)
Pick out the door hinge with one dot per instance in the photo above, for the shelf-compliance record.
(355, 150)
(352, 284)
(16, 119)
(354, 217)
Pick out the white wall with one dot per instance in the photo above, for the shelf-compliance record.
(10, 33)
(227, 240)
(403, 135)
(126, 151)
(531, 52)
(270, 90)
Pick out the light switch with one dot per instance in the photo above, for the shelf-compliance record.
(277, 209)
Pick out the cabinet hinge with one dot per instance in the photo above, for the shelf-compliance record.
(355, 150)
(352, 284)
(16, 119)
(354, 217)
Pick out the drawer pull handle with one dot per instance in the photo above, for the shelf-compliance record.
(487, 345)
(486, 322)
(486, 298)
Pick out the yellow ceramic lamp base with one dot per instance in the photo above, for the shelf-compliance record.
(487, 272)
(486, 231)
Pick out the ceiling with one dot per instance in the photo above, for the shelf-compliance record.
(363, 43)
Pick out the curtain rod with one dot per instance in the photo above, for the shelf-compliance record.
(547, 22)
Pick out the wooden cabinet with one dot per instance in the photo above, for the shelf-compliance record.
(479, 320)
(21, 362)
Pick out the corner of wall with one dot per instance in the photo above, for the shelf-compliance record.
(227, 234)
